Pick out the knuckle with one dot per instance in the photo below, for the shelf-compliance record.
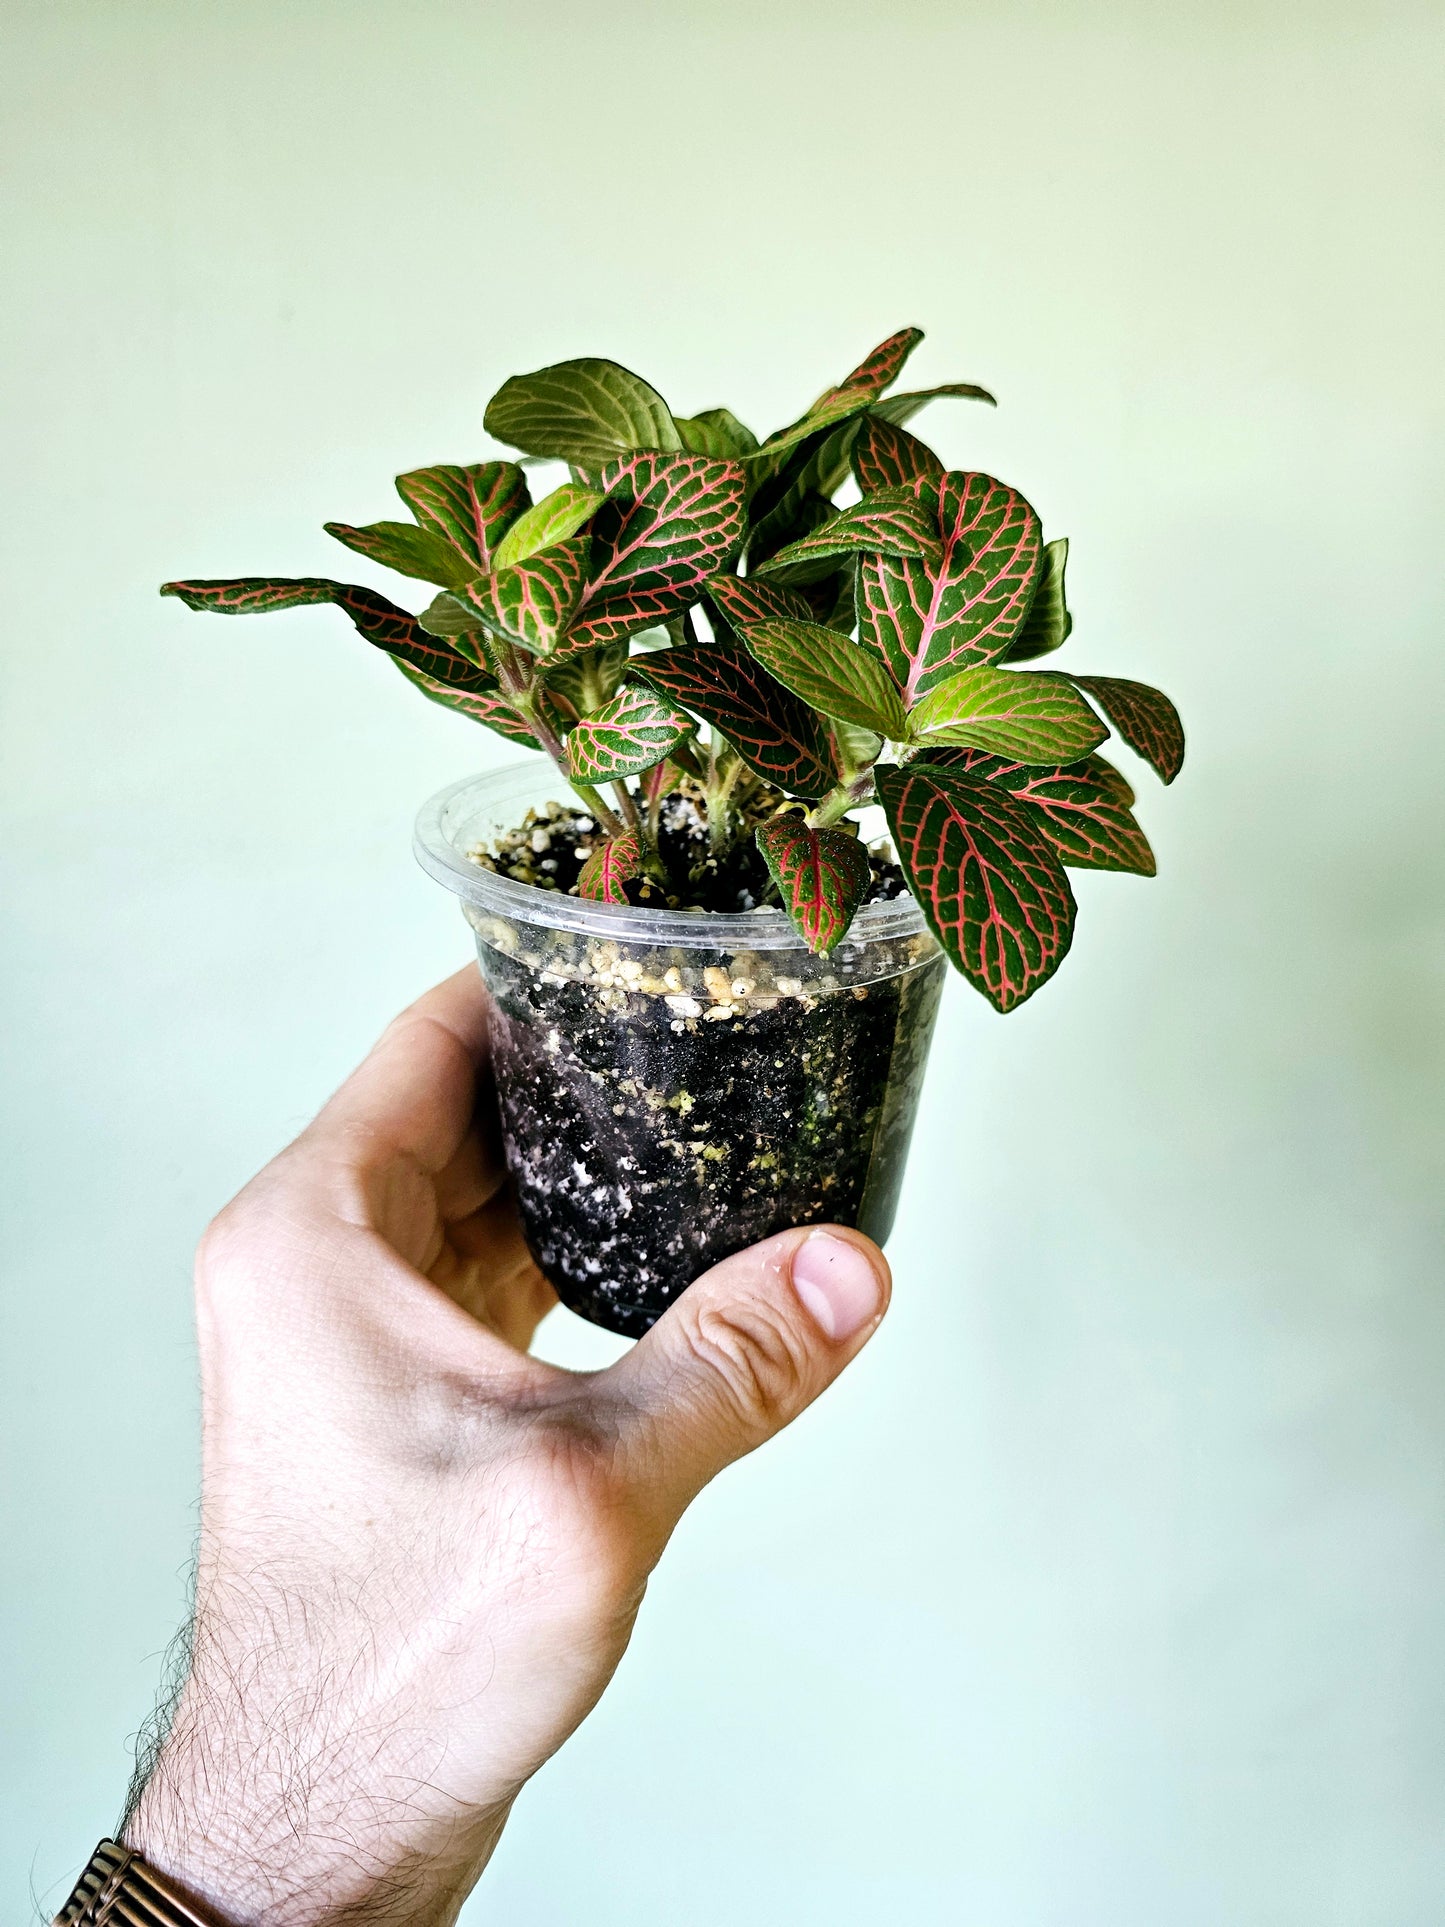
(221, 1246)
(758, 1359)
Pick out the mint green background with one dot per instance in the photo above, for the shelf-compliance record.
(1108, 1588)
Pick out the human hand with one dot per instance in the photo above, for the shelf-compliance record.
(422, 1551)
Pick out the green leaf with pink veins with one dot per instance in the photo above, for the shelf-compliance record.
(840, 404)
(532, 602)
(887, 457)
(470, 505)
(985, 873)
(586, 412)
(739, 600)
(562, 513)
(1083, 807)
(899, 409)
(1048, 624)
(879, 369)
(898, 522)
(1145, 718)
(831, 673)
(484, 703)
(839, 407)
(625, 737)
(717, 432)
(963, 606)
(610, 865)
(379, 621)
(822, 877)
(409, 550)
(1029, 715)
(669, 522)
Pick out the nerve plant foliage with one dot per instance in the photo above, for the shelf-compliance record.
(882, 652)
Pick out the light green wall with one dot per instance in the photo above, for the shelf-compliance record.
(1107, 1591)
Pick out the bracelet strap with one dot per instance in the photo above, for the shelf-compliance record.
(118, 1889)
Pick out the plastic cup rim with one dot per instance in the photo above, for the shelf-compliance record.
(436, 851)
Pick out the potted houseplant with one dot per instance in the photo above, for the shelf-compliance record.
(713, 998)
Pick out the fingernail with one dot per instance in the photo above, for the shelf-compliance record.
(840, 1290)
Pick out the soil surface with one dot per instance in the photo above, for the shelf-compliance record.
(549, 849)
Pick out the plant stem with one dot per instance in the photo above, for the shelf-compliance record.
(627, 806)
(592, 798)
(522, 688)
(837, 803)
(723, 769)
(684, 757)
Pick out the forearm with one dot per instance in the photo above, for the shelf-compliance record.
(294, 1794)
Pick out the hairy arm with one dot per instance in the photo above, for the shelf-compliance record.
(422, 1550)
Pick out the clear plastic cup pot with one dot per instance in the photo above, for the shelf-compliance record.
(675, 1085)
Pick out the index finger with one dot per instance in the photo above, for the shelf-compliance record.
(415, 1094)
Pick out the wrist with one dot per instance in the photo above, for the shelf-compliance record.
(265, 1827)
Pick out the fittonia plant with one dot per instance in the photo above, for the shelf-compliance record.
(874, 652)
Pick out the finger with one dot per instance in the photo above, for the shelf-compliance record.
(486, 1267)
(415, 1095)
(474, 1175)
(742, 1352)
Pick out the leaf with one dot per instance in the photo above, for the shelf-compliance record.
(776, 735)
(461, 626)
(378, 620)
(586, 412)
(881, 368)
(1032, 717)
(739, 600)
(471, 507)
(899, 409)
(890, 522)
(985, 875)
(831, 600)
(485, 704)
(558, 515)
(612, 864)
(1048, 622)
(849, 398)
(718, 432)
(888, 457)
(407, 549)
(669, 523)
(822, 877)
(661, 780)
(532, 602)
(1145, 718)
(589, 679)
(967, 605)
(831, 673)
(838, 406)
(634, 731)
(1084, 807)
(801, 510)
(854, 749)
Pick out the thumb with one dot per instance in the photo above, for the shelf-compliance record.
(745, 1348)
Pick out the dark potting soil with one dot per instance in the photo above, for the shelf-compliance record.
(551, 846)
(664, 1106)
(651, 1133)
